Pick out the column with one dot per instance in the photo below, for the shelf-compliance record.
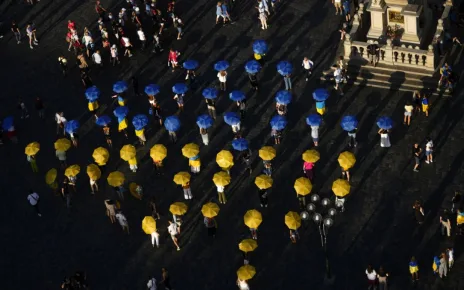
(377, 10)
(412, 33)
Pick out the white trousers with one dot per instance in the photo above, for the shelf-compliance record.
(155, 238)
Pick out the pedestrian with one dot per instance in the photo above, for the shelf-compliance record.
(156, 44)
(416, 153)
(178, 24)
(338, 7)
(253, 78)
(100, 10)
(97, 59)
(242, 108)
(65, 194)
(187, 191)
(157, 113)
(450, 255)
(211, 226)
(190, 77)
(32, 160)
(371, 278)
(122, 221)
(246, 159)
(308, 170)
(263, 11)
(382, 278)
(151, 285)
(414, 269)
(142, 38)
(120, 192)
(63, 64)
(60, 122)
(418, 212)
(82, 62)
(263, 197)
(308, 67)
(166, 279)
(154, 211)
(346, 10)
(204, 136)
(445, 223)
(339, 79)
(74, 139)
(428, 150)
(443, 267)
(114, 55)
(254, 233)
(408, 108)
(384, 138)
(179, 98)
(16, 31)
(61, 155)
(345, 173)
(417, 101)
(219, 13)
(107, 134)
(172, 229)
(267, 167)
(135, 19)
(225, 12)
(126, 43)
(173, 136)
(172, 58)
(111, 210)
(315, 135)
(195, 166)
(294, 236)
(221, 195)
(456, 201)
(222, 76)
(86, 80)
(33, 199)
(93, 185)
(425, 105)
(352, 138)
(211, 105)
(39, 106)
(31, 34)
(23, 108)
(288, 82)
(236, 128)
(242, 285)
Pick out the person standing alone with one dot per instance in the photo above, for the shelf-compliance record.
(33, 199)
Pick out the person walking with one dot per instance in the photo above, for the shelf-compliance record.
(308, 170)
(39, 106)
(236, 128)
(172, 58)
(63, 64)
(456, 202)
(155, 238)
(254, 233)
(352, 138)
(222, 76)
(384, 138)
(142, 38)
(33, 199)
(445, 223)
(195, 166)
(443, 267)
(114, 55)
(204, 136)
(122, 220)
(65, 192)
(450, 255)
(32, 160)
(23, 108)
(16, 31)
(263, 197)
(173, 231)
(154, 212)
(31, 34)
(425, 105)
(418, 212)
(242, 285)
(187, 191)
(416, 101)
(221, 195)
(315, 135)
(408, 108)
(416, 153)
(428, 150)
(61, 155)
(242, 108)
(211, 226)
(178, 24)
(253, 78)
(308, 67)
(179, 98)
(294, 236)
(246, 159)
(211, 105)
(97, 59)
(110, 210)
(100, 10)
(414, 269)
(107, 134)
(371, 278)
(288, 82)
(93, 186)
(166, 279)
(345, 173)
(382, 278)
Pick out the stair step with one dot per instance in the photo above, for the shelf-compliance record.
(394, 68)
(394, 87)
(400, 78)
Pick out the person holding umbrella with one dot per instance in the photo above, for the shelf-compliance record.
(140, 121)
(246, 246)
(340, 188)
(149, 227)
(210, 210)
(285, 69)
(179, 90)
(314, 121)
(172, 124)
(190, 66)
(101, 156)
(31, 151)
(346, 160)
(253, 219)
(283, 98)
(119, 88)
(183, 179)
(71, 128)
(320, 96)
(195, 164)
(94, 174)
(350, 124)
(240, 98)
(293, 222)
(71, 173)
(278, 123)
(252, 67)
(221, 67)
(92, 94)
(233, 120)
(158, 152)
(50, 180)
(178, 209)
(302, 187)
(225, 160)
(267, 153)
(104, 121)
(210, 95)
(385, 124)
(263, 182)
(61, 146)
(260, 48)
(204, 122)
(221, 179)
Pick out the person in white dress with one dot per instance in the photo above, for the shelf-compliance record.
(242, 285)
(384, 138)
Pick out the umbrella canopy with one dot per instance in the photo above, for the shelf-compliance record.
(346, 160)
(172, 123)
(263, 181)
(190, 150)
(349, 123)
(93, 171)
(311, 156)
(92, 94)
(252, 67)
(320, 95)
(314, 120)
(293, 220)
(127, 152)
(303, 186)
(152, 89)
(267, 153)
(246, 272)
(210, 93)
(260, 47)
(210, 210)
(103, 120)
(284, 68)
(253, 219)
(139, 121)
(221, 178)
(121, 112)
(221, 65)
(240, 144)
(225, 159)
(190, 64)
(278, 122)
(283, 97)
(231, 118)
(50, 176)
(179, 88)
(71, 126)
(182, 178)
(115, 178)
(178, 208)
(205, 121)
(72, 170)
(62, 144)
(158, 152)
(341, 187)
(385, 123)
(120, 87)
(149, 225)
(32, 148)
(248, 245)
(237, 96)
(7, 123)
(101, 155)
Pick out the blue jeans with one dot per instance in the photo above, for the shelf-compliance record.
(288, 83)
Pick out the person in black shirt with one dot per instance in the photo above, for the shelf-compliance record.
(263, 197)
(416, 153)
(211, 104)
(253, 81)
(445, 223)
(373, 51)
(246, 159)
(86, 80)
(16, 31)
(39, 106)
(63, 64)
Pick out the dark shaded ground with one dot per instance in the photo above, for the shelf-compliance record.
(378, 226)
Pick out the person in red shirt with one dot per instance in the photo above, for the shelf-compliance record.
(71, 26)
(172, 58)
(100, 10)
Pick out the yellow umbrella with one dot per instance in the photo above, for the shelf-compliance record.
(93, 171)
(341, 187)
(72, 170)
(225, 159)
(50, 177)
(346, 160)
(293, 220)
(178, 208)
(115, 179)
(267, 153)
(253, 219)
(210, 210)
(32, 148)
(311, 156)
(182, 178)
(303, 186)
(221, 178)
(101, 155)
(148, 225)
(263, 181)
(190, 150)
(248, 245)
(127, 152)
(158, 152)
(246, 272)
(62, 144)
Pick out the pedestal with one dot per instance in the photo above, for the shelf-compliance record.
(378, 18)
(412, 33)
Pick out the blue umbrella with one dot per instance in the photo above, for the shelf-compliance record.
(121, 112)
(71, 126)
(278, 122)
(283, 97)
(260, 47)
(240, 144)
(349, 123)
(172, 123)
(320, 95)
(179, 88)
(92, 94)
(385, 123)
(120, 87)
(103, 120)
(314, 120)
(237, 96)
(231, 118)
(221, 65)
(139, 121)
(190, 64)
(7, 123)
(252, 67)
(210, 93)
(152, 89)
(120, 119)
(205, 121)
(284, 68)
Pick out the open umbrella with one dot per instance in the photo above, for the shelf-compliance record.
(103, 120)
(158, 152)
(248, 245)
(172, 123)
(283, 97)
(32, 148)
(303, 186)
(50, 176)
(139, 121)
(253, 219)
(121, 112)
(152, 89)
(240, 144)
(346, 160)
(385, 123)
(93, 171)
(190, 64)
(293, 220)
(127, 152)
(72, 170)
(349, 123)
(120, 87)
(134, 192)
(246, 272)
(284, 68)
(92, 94)
(263, 181)
(231, 118)
(221, 65)
(101, 155)
(179, 88)
(260, 47)
(225, 159)
(252, 67)
(71, 126)
(267, 153)
(7, 123)
(210, 93)
(115, 179)
(311, 156)
(341, 187)
(190, 150)
(182, 178)
(178, 208)
(237, 96)
(221, 178)
(278, 122)
(205, 121)
(321, 95)
(210, 210)
(149, 225)
(62, 144)
(314, 120)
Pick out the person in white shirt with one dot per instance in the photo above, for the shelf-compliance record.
(114, 54)
(338, 76)
(151, 285)
(60, 122)
(127, 45)
(142, 37)
(122, 221)
(429, 151)
(371, 277)
(222, 76)
(172, 229)
(97, 59)
(93, 186)
(236, 128)
(242, 285)
(308, 67)
(221, 194)
(33, 199)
